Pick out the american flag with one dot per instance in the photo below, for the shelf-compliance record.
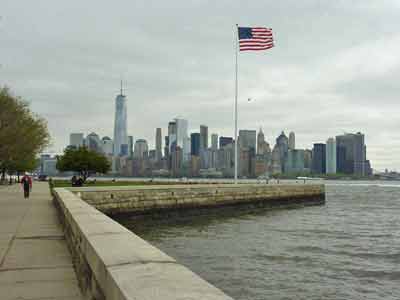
(255, 38)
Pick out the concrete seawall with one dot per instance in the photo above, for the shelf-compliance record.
(112, 263)
(147, 199)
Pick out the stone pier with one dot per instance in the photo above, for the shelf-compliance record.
(113, 263)
(148, 199)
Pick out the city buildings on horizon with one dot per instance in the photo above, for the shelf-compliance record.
(181, 153)
(191, 155)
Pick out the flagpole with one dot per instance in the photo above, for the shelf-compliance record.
(236, 103)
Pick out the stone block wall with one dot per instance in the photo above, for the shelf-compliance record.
(112, 263)
(147, 199)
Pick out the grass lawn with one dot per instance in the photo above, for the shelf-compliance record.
(67, 183)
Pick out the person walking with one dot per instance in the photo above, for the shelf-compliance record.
(26, 183)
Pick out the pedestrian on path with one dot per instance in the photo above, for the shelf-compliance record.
(26, 183)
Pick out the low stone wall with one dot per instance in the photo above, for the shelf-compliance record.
(112, 263)
(148, 199)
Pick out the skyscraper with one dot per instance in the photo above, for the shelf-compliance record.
(319, 159)
(195, 144)
(331, 156)
(260, 142)
(120, 126)
(171, 134)
(247, 139)
(166, 147)
(283, 144)
(158, 144)
(263, 147)
(307, 159)
(141, 149)
(214, 141)
(225, 140)
(292, 140)
(351, 154)
(276, 164)
(94, 143)
(295, 161)
(107, 146)
(203, 137)
(182, 138)
(130, 146)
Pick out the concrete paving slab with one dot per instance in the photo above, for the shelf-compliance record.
(32, 275)
(41, 290)
(37, 253)
(35, 229)
(35, 261)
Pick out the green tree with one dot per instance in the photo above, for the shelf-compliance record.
(83, 161)
(23, 134)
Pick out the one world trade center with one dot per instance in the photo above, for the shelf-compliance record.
(120, 126)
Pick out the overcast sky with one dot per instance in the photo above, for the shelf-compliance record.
(335, 67)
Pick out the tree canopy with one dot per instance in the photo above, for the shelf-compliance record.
(23, 134)
(83, 161)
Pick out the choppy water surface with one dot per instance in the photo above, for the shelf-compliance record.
(346, 249)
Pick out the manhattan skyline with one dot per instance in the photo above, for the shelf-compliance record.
(314, 86)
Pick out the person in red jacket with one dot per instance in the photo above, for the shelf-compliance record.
(26, 183)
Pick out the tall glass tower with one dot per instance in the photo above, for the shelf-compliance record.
(120, 126)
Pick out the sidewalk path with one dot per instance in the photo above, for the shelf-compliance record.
(35, 262)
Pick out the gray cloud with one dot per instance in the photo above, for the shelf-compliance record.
(334, 68)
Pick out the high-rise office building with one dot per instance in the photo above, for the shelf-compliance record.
(225, 140)
(276, 163)
(152, 154)
(158, 144)
(76, 140)
(307, 160)
(120, 126)
(260, 142)
(295, 161)
(195, 144)
(263, 147)
(181, 131)
(292, 140)
(130, 146)
(141, 149)
(360, 158)
(351, 154)
(225, 159)
(203, 137)
(342, 166)
(247, 139)
(244, 161)
(94, 143)
(214, 141)
(331, 156)
(172, 134)
(166, 147)
(182, 138)
(176, 159)
(283, 144)
(319, 158)
(107, 146)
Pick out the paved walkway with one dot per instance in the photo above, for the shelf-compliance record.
(34, 259)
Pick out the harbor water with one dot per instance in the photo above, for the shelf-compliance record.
(348, 248)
